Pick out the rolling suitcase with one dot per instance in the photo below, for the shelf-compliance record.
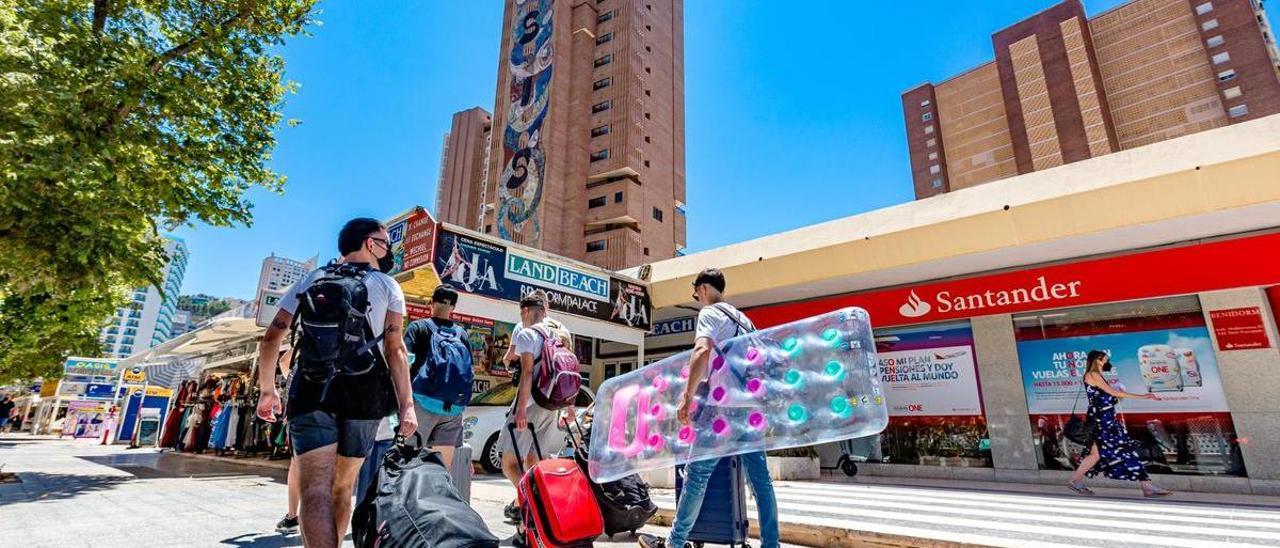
(460, 471)
(723, 518)
(557, 504)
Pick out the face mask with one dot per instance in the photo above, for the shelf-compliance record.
(1106, 367)
(386, 262)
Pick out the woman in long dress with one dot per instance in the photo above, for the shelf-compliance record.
(1112, 450)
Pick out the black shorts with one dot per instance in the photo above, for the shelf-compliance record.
(317, 429)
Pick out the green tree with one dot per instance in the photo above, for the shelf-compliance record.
(119, 119)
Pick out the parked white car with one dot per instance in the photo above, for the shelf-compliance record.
(485, 416)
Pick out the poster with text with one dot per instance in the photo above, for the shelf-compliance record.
(929, 371)
(1178, 365)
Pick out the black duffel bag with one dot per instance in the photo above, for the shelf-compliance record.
(414, 503)
(624, 503)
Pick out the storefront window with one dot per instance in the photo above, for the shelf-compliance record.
(930, 381)
(1160, 346)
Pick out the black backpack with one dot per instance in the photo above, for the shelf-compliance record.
(414, 503)
(331, 327)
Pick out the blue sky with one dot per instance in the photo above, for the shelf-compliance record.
(793, 116)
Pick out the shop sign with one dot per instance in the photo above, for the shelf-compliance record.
(672, 327)
(472, 320)
(395, 238)
(135, 375)
(1198, 268)
(91, 367)
(471, 265)
(490, 270)
(49, 388)
(159, 391)
(99, 391)
(419, 240)
(1178, 365)
(558, 277)
(268, 305)
(85, 419)
(1239, 328)
(36, 387)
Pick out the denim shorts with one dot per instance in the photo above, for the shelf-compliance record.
(320, 428)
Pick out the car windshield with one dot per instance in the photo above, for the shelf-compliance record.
(501, 395)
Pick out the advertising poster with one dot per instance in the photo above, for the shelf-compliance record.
(85, 419)
(631, 304)
(471, 265)
(1178, 365)
(929, 373)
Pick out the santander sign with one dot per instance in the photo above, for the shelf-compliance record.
(1090, 281)
(945, 301)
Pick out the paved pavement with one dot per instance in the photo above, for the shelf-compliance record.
(77, 493)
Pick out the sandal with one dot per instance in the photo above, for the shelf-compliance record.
(1080, 488)
(1156, 492)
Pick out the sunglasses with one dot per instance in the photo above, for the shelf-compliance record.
(385, 243)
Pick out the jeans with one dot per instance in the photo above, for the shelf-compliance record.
(698, 473)
(369, 470)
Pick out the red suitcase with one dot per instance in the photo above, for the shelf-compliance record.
(558, 506)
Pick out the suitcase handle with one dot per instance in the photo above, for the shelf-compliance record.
(515, 443)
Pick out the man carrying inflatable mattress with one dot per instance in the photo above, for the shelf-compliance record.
(717, 321)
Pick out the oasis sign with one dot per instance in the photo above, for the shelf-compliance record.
(1198, 268)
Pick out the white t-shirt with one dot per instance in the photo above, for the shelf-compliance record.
(385, 296)
(715, 324)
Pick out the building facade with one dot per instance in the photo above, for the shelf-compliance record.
(985, 303)
(587, 158)
(461, 195)
(148, 319)
(278, 273)
(1065, 87)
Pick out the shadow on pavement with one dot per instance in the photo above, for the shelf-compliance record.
(40, 486)
(259, 540)
(152, 465)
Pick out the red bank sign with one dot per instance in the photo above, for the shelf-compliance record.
(1243, 262)
(1239, 328)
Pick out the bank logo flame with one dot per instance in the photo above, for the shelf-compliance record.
(915, 307)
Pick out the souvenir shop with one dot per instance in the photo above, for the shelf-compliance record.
(216, 413)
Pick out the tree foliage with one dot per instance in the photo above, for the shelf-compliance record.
(120, 119)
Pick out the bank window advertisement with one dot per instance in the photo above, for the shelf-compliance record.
(930, 378)
(1162, 347)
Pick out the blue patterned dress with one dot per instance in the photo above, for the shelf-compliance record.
(1119, 460)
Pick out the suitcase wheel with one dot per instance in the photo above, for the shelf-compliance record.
(849, 467)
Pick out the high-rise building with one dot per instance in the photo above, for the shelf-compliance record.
(147, 320)
(1065, 87)
(464, 167)
(587, 154)
(278, 273)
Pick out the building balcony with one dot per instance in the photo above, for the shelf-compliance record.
(628, 210)
(621, 248)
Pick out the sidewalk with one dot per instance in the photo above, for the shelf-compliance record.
(905, 512)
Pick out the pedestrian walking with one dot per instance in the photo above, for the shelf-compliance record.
(717, 321)
(526, 417)
(441, 374)
(350, 371)
(1112, 450)
(7, 407)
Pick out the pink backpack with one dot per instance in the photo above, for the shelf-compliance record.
(555, 375)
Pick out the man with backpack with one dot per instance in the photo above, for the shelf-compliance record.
(528, 417)
(441, 373)
(350, 371)
(717, 322)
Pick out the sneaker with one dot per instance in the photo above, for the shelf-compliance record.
(287, 524)
(650, 541)
(512, 513)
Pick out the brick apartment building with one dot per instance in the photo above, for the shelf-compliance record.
(1065, 87)
(585, 153)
